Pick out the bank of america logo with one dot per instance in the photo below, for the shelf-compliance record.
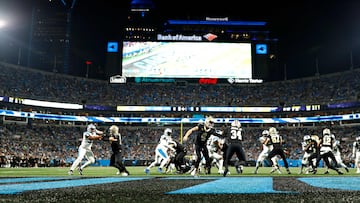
(210, 37)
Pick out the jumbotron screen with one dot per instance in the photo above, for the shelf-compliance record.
(187, 60)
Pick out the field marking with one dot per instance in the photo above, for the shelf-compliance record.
(233, 185)
(341, 183)
(19, 180)
(22, 187)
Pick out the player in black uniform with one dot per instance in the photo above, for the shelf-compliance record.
(181, 163)
(234, 138)
(203, 133)
(326, 143)
(116, 146)
(277, 142)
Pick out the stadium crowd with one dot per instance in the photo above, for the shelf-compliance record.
(40, 144)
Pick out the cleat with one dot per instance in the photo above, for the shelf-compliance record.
(340, 172)
(347, 170)
(147, 171)
(71, 172)
(326, 172)
(124, 174)
(80, 170)
(221, 171)
(255, 172)
(118, 173)
(287, 170)
(195, 173)
(226, 172)
(239, 169)
(160, 170)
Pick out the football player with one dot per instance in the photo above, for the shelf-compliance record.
(277, 141)
(214, 145)
(326, 142)
(161, 152)
(337, 153)
(356, 153)
(309, 148)
(266, 148)
(203, 132)
(85, 151)
(234, 139)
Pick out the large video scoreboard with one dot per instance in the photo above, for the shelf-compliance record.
(206, 52)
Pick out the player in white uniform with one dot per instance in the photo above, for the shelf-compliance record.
(309, 147)
(214, 146)
(161, 152)
(356, 154)
(85, 151)
(266, 148)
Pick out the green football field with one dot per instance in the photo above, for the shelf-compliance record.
(139, 171)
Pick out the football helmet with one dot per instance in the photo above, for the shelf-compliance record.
(91, 128)
(273, 131)
(265, 133)
(326, 131)
(114, 130)
(236, 124)
(209, 123)
(358, 139)
(168, 131)
(307, 138)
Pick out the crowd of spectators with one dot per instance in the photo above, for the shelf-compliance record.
(41, 144)
(333, 88)
(56, 145)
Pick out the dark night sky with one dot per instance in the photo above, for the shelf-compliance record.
(307, 30)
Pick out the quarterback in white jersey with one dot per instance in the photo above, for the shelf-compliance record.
(84, 150)
(161, 152)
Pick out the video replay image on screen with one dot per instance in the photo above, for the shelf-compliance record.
(187, 60)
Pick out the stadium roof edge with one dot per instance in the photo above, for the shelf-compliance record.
(225, 23)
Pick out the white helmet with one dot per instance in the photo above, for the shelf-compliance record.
(358, 139)
(91, 128)
(265, 133)
(273, 131)
(307, 138)
(168, 132)
(209, 123)
(236, 124)
(326, 131)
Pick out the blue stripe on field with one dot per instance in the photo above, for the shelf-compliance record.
(342, 183)
(18, 180)
(18, 188)
(233, 185)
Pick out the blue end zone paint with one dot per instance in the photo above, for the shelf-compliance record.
(18, 188)
(19, 180)
(190, 178)
(236, 185)
(341, 183)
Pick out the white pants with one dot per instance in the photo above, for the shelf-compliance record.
(83, 153)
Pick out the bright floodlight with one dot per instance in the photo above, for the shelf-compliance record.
(2, 23)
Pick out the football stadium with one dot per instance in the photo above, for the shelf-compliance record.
(184, 110)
